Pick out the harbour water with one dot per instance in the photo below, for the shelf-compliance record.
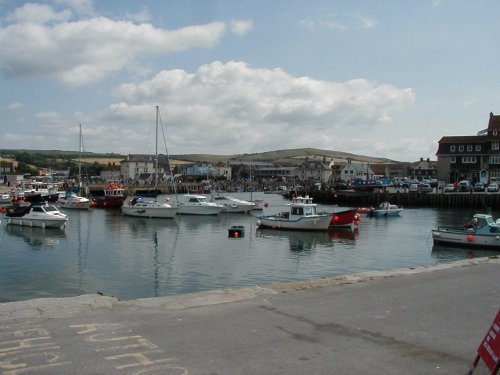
(104, 251)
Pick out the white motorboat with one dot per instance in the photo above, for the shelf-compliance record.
(302, 215)
(149, 207)
(385, 209)
(194, 204)
(481, 231)
(41, 215)
(231, 204)
(72, 200)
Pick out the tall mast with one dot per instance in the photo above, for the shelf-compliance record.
(80, 160)
(156, 150)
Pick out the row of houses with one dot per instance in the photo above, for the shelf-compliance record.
(476, 158)
(471, 157)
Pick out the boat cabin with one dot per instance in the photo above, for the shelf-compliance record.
(302, 206)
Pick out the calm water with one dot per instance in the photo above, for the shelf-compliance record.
(103, 251)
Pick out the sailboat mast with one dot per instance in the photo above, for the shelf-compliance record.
(156, 151)
(80, 159)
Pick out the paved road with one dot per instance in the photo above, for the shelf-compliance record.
(426, 320)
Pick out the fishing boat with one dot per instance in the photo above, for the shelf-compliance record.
(481, 231)
(41, 215)
(41, 191)
(385, 209)
(302, 215)
(151, 207)
(231, 204)
(345, 219)
(195, 204)
(114, 196)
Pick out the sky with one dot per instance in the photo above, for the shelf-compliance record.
(381, 78)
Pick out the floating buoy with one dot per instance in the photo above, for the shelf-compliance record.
(236, 231)
(335, 218)
(266, 204)
(356, 222)
(470, 238)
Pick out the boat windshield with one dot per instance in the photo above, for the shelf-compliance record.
(50, 209)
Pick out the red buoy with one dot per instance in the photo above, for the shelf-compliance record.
(470, 238)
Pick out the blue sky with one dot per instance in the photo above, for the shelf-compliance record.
(378, 78)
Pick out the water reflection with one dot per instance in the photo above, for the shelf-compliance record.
(37, 238)
(451, 252)
(298, 240)
(341, 234)
(102, 250)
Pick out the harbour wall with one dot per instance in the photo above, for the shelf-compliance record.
(484, 201)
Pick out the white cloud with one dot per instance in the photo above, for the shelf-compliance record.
(15, 106)
(333, 21)
(142, 16)
(226, 108)
(241, 27)
(82, 52)
(37, 13)
(83, 7)
(233, 108)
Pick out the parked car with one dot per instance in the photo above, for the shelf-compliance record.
(479, 186)
(425, 188)
(465, 185)
(413, 187)
(492, 187)
(449, 188)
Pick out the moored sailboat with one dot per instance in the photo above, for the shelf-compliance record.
(151, 208)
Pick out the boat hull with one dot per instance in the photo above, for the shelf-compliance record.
(38, 223)
(236, 208)
(199, 210)
(385, 213)
(105, 202)
(344, 219)
(160, 212)
(317, 222)
(465, 238)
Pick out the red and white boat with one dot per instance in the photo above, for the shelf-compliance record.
(114, 196)
(345, 219)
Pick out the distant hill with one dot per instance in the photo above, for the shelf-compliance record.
(290, 156)
(283, 157)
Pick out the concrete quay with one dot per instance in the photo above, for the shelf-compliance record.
(423, 320)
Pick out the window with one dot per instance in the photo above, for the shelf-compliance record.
(452, 148)
(453, 160)
(494, 145)
(478, 147)
(494, 159)
(461, 148)
(469, 148)
(468, 159)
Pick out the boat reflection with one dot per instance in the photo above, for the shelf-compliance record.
(143, 227)
(451, 252)
(299, 240)
(344, 234)
(38, 238)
